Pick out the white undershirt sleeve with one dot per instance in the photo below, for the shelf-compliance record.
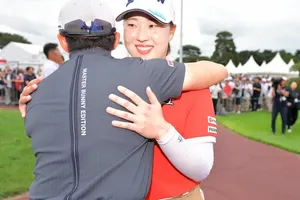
(193, 157)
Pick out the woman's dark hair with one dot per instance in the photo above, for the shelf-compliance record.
(169, 46)
(169, 49)
(81, 43)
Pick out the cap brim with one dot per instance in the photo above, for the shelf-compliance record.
(123, 14)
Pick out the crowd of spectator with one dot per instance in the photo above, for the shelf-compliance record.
(243, 93)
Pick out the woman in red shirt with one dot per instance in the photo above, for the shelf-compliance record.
(183, 156)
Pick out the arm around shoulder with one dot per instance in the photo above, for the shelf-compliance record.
(203, 74)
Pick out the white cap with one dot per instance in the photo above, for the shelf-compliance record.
(284, 78)
(161, 10)
(263, 80)
(86, 17)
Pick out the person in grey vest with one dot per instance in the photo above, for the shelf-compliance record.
(80, 155)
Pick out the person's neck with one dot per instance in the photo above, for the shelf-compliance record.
(51, 59)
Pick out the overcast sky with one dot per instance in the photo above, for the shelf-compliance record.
(255, 24)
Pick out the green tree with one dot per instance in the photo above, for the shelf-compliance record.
(244, 56)
(225, 49)
(297, 56)
(286, 56)
(6, 38)
(268, 55)
(296, 68)
(258, 57)
(190, 53)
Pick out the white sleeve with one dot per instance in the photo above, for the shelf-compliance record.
(192, 157)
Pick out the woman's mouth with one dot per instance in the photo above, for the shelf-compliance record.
(144, 49)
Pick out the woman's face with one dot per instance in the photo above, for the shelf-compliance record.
(146, 38)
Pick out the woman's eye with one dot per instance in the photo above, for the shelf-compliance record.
(153, 26)
(131, 25)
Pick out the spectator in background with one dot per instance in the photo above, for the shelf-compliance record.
(269, 94)
(54, 59)
(237, 90)
(9, 79)
(227, 91)
(256, 93)
(292, 101)
(263, 94)
(29, 76)
(246, 94)
(19, 83)
(279, 94)
(214, 91)
(2, 85)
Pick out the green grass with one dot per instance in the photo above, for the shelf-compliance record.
(16, 157)
(257, 126)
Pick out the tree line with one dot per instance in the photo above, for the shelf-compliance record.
(225, 50)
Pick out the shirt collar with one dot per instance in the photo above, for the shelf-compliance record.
(89, 51)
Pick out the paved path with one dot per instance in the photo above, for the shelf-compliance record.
(248, 170)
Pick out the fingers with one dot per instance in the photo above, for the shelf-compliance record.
(121, 114)
(124, 125)
(123, 102)
(22, 104)
(22, 109)
(36, 81)
(131, 95)
(151, 96)
(29, 89)
(24, 99)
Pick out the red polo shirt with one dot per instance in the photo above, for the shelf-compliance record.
(193, 116)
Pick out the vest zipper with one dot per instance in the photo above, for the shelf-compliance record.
(73, 126)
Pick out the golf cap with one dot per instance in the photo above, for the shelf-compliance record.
(161, 10)
(86, 18)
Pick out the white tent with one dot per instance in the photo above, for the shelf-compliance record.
(231, 67)
(290, 64)
(23, 54)
(276, 66)
(250, 67)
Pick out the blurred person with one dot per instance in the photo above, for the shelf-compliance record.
(19, 82)
(269, 94)
(2, 85)
(171, 66)
(237, 90)
(39, 72)
(28, 76)
(215, 90)
(227, 91)
(263, 94)
(279, 94)
(256, 93)
(246, 94)
(9, 86)
(292, 103)
(54, 59)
